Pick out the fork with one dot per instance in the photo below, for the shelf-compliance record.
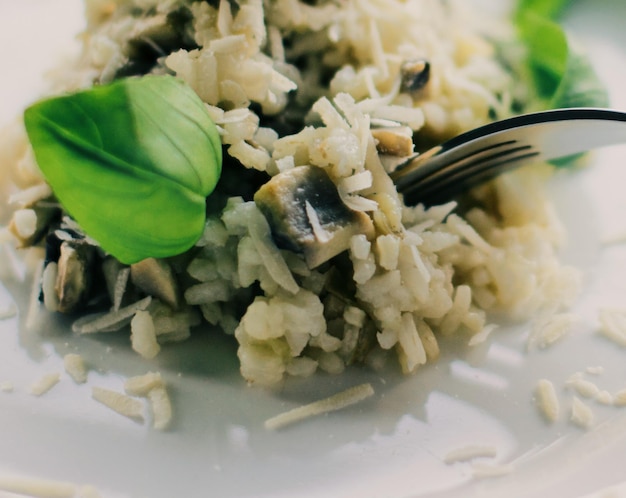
(478, 155)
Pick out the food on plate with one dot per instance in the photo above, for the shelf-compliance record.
(228, 163)
(335, 402)
(547, 400)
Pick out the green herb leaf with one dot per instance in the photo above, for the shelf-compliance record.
(132, 162)
(562, 73)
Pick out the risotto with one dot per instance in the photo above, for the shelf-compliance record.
(309, 257)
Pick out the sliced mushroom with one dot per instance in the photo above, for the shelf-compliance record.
(394, 141)
(153, 37)
(156, 278)
(415, 75)
(30, 225)
(75, 274)
(307, 215)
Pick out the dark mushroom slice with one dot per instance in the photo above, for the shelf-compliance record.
(153, 37)
(394, 141)
(74, 274)
(307, 216)
(415, 76)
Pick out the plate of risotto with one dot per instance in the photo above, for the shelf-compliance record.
(210, 285)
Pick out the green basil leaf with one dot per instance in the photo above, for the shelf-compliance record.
(580, 86)
(561, 72)
(548, 9)
(132, 162)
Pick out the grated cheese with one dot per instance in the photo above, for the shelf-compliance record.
(471, 452)
(161, 408)
(143, 336)
(550, 330)
(583, 387)
(44, 384)
(581, 414)
(619, 398)
(332, 403)
(152, 386)
(547, 400)
(613, 325)
(141, 385)
(75, 367)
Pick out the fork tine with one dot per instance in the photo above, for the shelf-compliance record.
(450, 167)
(484, 152)
(458, 177)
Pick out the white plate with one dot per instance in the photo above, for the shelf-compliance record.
(394, 444)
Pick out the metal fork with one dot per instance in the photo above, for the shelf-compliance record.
(447, 170)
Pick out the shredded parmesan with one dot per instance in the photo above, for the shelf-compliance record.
(326, 405)
(109, 322)
(619, 398)
(613, 325)
(44, 384)
(318, 230)
(471, 452)
(482, 336)
(75, 367)
(118, 402)
(141, 385)
(547, 400)
(143, 336)
(152, 387)
(548, 331)
(583, 387)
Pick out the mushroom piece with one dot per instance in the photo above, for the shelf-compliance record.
(74, 274)
(394, 141)
(415, 75)
(155, 36)
(307, 216)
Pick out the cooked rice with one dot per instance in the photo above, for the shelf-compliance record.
(42, 385)
(581, 414)
(332, 403)
(471, 452)
(425, 273)
(75, 366)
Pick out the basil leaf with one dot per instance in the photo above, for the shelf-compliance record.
(132, 162)
(548, 9)
(562, 73)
